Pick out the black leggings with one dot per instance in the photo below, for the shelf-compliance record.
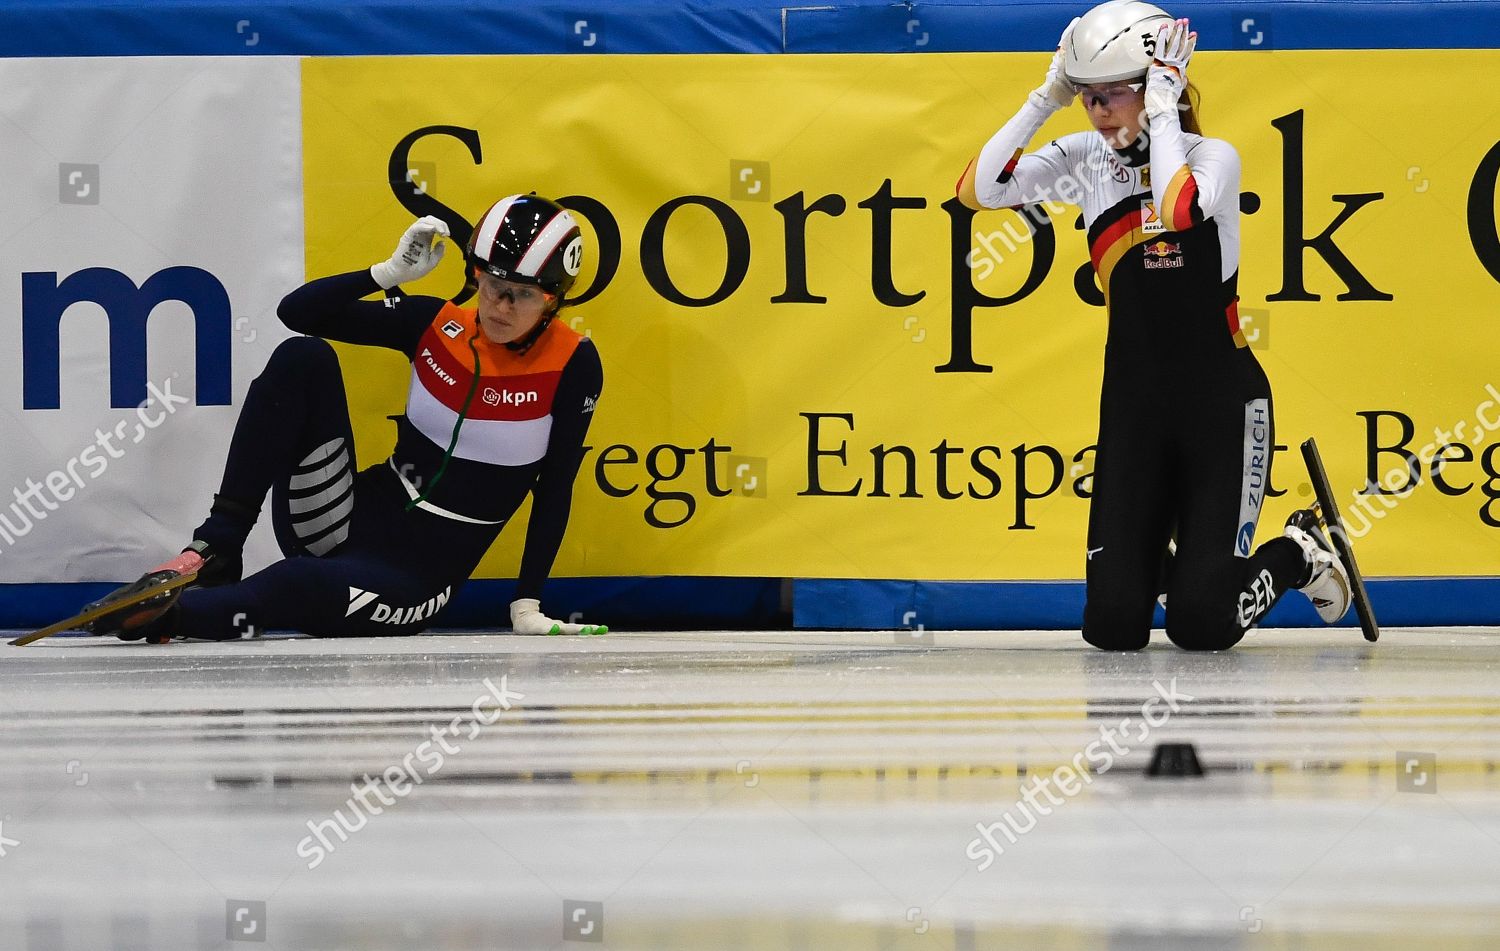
(358, 562)
(1196, 470)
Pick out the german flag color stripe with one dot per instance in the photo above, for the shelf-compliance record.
(1010, 168)
(1113, 242)
(958, 189)
(1180, 209)
(1232, 312)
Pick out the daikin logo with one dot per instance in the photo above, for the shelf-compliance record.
(358, 598)
(382, 613)
(432, 365)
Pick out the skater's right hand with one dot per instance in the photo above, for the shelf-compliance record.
(526, 617)
(416, 255)
(1057, 90)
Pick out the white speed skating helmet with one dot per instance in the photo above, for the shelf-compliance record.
(1113, 41)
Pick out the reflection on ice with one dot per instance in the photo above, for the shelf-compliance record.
(778, 790)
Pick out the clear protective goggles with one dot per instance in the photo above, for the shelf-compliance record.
(524, 297)
(1111, 97)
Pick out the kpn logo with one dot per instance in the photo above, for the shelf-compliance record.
(507, 397)
(45, 299)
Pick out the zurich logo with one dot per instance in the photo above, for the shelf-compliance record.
(1247, 535)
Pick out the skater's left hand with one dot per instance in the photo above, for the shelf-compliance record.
(1056, 90)
(526, 617)
(1166, 78)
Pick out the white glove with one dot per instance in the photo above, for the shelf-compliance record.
(526, 617)
(1057, 92)
(415, 257)
(1166, 78)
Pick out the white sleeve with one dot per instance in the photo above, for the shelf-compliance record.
(1186, 191)
(1004, 177)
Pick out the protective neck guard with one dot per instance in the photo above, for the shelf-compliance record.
(520, 346)
(1137, 153)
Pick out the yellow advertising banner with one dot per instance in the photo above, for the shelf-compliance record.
(818, 364)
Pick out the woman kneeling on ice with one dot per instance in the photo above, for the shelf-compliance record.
(1185, 427)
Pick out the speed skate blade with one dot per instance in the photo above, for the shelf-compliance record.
(1329, 511)
(84, 617)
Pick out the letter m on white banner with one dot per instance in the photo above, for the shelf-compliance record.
(44, 299)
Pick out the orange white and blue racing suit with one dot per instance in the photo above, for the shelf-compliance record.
(383, 550)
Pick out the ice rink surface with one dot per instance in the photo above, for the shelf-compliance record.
(750, 790)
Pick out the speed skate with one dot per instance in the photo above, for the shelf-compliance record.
(1327, 512)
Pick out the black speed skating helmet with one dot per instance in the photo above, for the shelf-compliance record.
(529, 240)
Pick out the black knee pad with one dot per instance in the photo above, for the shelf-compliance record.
(1112, 624)
(298, 355)
(1195, 627)
(1114, 637)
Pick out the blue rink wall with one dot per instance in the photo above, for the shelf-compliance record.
(319, 27)
(57, 28)
(712, 603)
(1047, 605)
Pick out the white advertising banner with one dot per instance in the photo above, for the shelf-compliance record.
(152, 221)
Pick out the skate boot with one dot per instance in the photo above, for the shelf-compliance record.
(134, 621)
(1326, 583)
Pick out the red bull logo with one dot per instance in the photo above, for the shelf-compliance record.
(1160, 254)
